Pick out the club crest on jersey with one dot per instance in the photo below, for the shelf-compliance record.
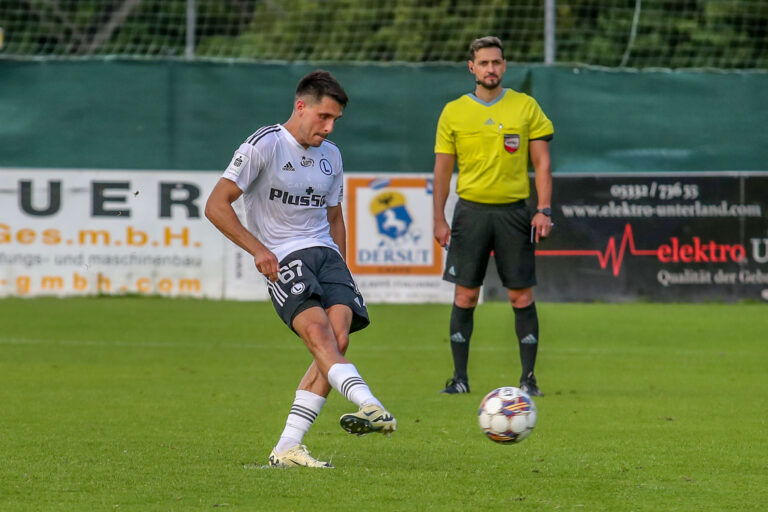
(288, 167)
(310, 199)
(325, 167)
(511, 142)
(307, 162)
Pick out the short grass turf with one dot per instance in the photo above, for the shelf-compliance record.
(159, 404)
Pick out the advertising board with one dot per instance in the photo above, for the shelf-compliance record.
(682, 237)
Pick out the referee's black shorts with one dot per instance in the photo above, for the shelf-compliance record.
(477, 230)
(316, 276)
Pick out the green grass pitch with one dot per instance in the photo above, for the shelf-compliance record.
(157, 404)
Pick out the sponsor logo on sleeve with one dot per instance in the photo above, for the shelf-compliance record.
(238, 163)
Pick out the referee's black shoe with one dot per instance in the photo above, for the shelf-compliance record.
(455, 386)
(528, 384)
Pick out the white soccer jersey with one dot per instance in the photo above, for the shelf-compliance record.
(286, 189)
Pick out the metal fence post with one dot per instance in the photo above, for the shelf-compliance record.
(549, 32)
(189, 51)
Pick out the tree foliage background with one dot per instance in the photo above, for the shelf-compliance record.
(615, 33)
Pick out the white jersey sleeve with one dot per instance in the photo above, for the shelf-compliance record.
(336, 194)
(244, 167)
(249, 160)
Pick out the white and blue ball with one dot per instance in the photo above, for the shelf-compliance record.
(507, 415)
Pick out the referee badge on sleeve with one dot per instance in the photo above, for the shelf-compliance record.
(511, 142)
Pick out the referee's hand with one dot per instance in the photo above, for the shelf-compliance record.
(541, 227)
(442, 232)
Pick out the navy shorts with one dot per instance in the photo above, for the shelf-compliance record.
(476, 230)
(316, 276)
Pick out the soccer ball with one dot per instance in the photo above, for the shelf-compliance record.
(507, 415)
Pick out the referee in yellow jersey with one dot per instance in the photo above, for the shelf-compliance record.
(490, 134)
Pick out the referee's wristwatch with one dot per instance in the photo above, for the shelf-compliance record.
(546, 211)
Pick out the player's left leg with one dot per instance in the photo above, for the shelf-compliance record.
(290, 299)
(313, 388)
(312, 325)
(309, 401)
(294, 457)
(527, 330)
(516, 263)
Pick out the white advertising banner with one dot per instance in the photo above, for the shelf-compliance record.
(85, 232)
(391, 250)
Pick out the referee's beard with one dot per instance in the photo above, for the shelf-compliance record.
(485, 85)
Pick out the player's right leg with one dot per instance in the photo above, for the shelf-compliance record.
(371, 416)
(465, 266)
(320, 313)
(315, 328)
(461, 327)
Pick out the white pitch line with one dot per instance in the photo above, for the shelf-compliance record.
(149, 344)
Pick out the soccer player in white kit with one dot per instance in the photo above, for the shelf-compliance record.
(291, 180)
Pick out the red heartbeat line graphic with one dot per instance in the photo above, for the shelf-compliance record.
(610, 253)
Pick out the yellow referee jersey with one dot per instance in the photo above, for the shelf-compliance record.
(490, 141)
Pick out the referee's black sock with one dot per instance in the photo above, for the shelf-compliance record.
(462, 323)
(527, 329)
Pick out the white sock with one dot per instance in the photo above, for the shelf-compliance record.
(306, 406)
(345, 379)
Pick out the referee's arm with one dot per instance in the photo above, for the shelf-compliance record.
(539, 151)
(441, 185)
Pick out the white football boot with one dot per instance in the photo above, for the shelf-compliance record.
(370, 418)
(298, 456)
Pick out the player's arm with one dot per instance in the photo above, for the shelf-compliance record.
(338, 229)
(218, 209)
(539, 151)
(441, 185)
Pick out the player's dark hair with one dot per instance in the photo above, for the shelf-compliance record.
(321, 83)
(485, 42)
